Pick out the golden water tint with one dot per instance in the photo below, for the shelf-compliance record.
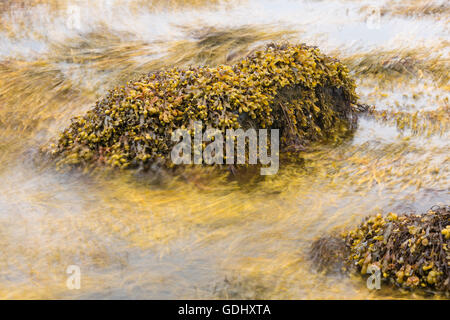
(207, 238)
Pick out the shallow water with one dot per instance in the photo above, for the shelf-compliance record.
(214, 238)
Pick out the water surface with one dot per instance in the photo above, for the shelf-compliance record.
(213, 238)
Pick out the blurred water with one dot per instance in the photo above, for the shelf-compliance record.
(221, 239)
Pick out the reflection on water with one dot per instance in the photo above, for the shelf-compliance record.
(215, 238)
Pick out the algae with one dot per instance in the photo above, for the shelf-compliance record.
(295, 88)
(411, 251)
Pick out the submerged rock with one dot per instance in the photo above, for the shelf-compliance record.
(410, 250)
(307, 95)
(327, 254)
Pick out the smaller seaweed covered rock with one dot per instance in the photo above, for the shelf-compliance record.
(296, 89)
(410, 250)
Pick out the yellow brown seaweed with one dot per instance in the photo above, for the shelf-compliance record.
(296, 89)
(410, 250)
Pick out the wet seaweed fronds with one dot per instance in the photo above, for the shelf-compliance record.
(419, 122)
(411, 250)
(393, 64)
(297, 89)
(417, 8)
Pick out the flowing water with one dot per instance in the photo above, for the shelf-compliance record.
(217, 238)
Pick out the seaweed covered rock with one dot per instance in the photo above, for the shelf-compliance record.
(410, 250)
(296, 89)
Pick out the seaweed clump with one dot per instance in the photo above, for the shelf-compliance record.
(307, 95)
(410, 250)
